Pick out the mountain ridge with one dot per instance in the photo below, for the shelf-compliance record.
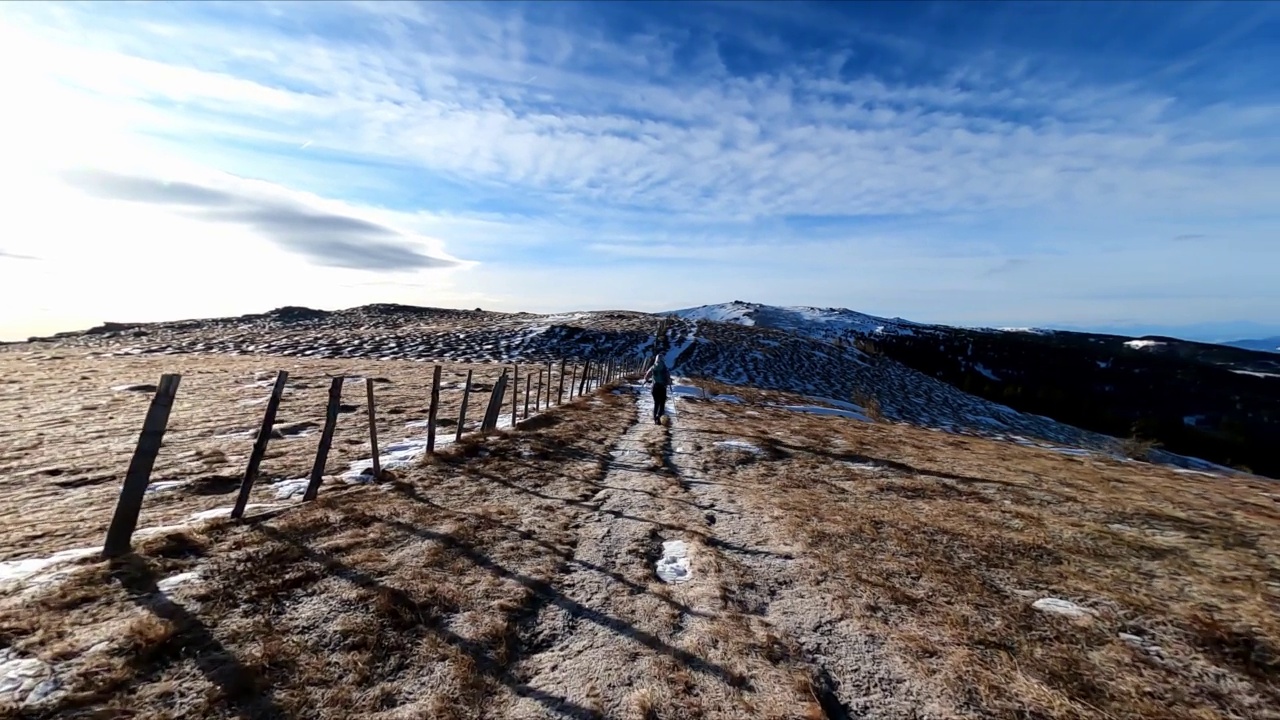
(1201, 399)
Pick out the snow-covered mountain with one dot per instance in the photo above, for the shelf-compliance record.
(820, 323)
(1271, 345)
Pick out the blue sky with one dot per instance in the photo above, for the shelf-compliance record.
(1110, 166)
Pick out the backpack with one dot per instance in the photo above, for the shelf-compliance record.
(661, 376)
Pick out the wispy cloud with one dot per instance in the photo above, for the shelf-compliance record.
(1008, 266)
(323, 238)
(15, 256)
(558, 135)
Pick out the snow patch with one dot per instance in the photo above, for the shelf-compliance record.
(1143, 344)
(24, 680)
(673, 566)
(174, 581)
(17, 570)
(286, 489)
(817, 410)
(1256, 374)
(982, 370)
(740, 445)
(1058, 606)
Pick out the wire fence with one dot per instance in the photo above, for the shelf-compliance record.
(282, 426)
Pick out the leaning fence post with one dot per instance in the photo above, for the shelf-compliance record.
(586, 372)
(462, 414)
(326, 438)
(373, 431)
(125, 520)
(490, 421)
(560, 392)
(431, 412)
(537, 397)
(260, 445)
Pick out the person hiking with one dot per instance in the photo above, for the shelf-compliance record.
(661, 377)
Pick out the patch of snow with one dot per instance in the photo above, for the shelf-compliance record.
(740, 445)
(982, 370)
(24, 680)
(673, 566)
(165, 486)
(18, 570)
(1058, 606)
(225, 512)
(727, 398)
(286, 489)
(1143, 344)
(1256, 374)
(173, 581)
(817, 410)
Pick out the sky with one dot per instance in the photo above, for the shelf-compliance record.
(1103, 166)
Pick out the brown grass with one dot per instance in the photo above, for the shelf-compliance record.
(406, 602)
(63, 462)
(943, 542)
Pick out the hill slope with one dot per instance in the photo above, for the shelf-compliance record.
(730, 352)
(830, 568)
(1199, 399)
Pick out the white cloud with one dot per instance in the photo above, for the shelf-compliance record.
(629, 160)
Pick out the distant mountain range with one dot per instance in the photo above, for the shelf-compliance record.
(1219, 402)
(1271, 345)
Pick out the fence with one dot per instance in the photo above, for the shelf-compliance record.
(545, 386)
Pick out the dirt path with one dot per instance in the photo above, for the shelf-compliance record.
(608, 620)
(768, 576)
(750, 634)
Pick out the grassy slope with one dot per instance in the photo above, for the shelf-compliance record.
(943, 542)
(418, 600)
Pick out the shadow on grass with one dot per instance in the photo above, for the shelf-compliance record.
(246, 691)
(485, 656)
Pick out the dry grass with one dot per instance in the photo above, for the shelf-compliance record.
(63, 460)
(943, 542)
(407, 601)
(430, 596)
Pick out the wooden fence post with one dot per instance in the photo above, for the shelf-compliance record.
(537, 396)
(586, 372)
(547, 404)
(260, 445)
(125, 520)
(515, 392)
(560, 392)
(432, 410)
(373, 431)
(573, 380)
(490, 422)
(462, 414)
(326, 438)
(528, 383)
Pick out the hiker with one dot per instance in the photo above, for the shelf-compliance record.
(661, 379)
